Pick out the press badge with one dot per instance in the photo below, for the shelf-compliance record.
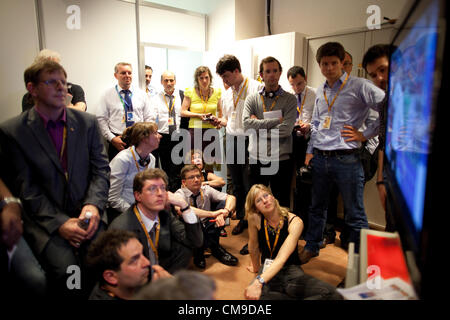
(267, 264)
(171, 122)
(130, 116)
(327, 122)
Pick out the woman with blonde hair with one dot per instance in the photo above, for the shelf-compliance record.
(143, 138)
(273, 246)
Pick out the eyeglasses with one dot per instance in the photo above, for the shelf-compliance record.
(194, 177)
(265, 196)
(55, 82)
(153, 189)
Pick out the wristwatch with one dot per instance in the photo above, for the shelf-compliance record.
(260, 279)
(7, 200)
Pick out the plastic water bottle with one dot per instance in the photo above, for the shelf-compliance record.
(85, 223)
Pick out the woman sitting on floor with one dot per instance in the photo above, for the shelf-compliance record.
(273, 245)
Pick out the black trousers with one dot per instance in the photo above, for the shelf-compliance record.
(164, 155)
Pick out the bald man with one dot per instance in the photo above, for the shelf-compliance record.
(167, 104)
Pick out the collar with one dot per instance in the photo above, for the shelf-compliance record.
(279, 91)
(146, 220)
(120, 88)
(341, 80)
(189, 193)
(240, 85)
(46, 120)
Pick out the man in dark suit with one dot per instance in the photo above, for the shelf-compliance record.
(59, 168)
(167, 240)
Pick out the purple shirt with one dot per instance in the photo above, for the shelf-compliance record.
(55, 130)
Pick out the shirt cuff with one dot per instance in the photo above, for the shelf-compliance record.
(189, 216)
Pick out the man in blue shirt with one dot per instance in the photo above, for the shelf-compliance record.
(342, 105)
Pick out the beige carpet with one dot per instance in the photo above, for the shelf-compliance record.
(329, 266)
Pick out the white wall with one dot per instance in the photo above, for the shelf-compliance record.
(221, 25)
(249, 16)
(107, 36)
(19, 39)
(318, 17)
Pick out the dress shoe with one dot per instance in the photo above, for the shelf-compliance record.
(199, 259)
(240, 227)
(244, 250)
(306, 255)
(326, 241)
(224, 256)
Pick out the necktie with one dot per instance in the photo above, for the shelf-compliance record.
(194, 200)
(299, 104)
(128, 107)
(152, 234)
(172, 114)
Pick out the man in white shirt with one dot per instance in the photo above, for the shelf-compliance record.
(167, 105)
(306, 96)
(149, 89)
(233, 101)
(120, 107)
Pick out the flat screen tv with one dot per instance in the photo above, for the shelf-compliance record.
(417, 97)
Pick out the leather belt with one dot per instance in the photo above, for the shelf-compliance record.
(333, 153)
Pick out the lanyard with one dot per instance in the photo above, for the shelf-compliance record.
(135, 161)
(173, 103)
(276, 237)
(154, 246)
(192, 200)
(121, 99)
(273, 103)
(303, 103)
(334, 99)
(204, 102)
(239, 95)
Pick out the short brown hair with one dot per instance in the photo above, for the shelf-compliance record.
(137, 132)
(148, 174)
(116, 67)
(330, 49)
(32, 73)
(187, 168)
(269, 60)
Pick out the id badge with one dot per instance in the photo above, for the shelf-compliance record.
(233, 115)
(130, 116)
(327, 122)
(267, 264)
(171, 122)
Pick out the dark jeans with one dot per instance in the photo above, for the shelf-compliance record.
(237, 164)
(291, 283)
(347, 172)
(280, 182)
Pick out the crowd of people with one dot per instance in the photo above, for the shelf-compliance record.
(112, 206)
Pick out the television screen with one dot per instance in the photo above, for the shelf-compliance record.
(410, 110)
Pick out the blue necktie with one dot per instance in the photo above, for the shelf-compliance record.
(129, 107)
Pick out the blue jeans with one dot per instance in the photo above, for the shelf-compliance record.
(347, 172)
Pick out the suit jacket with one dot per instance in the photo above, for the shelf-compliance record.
(38, 178)
(171, 230)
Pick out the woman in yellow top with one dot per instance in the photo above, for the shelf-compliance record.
(202, 105)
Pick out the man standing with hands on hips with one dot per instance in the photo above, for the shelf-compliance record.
(341, 107)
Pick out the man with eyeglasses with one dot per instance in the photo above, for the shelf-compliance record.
(168, 240)
(200, 199)
(59, 168)
(348, 63)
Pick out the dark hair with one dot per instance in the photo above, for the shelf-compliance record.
(137, 132)
(184, 285)
(103, 253)
(198, 72)
(148, 67)
(351, 57)
(149, 174)
(375, 52)
(187, 168)
(295, 71)
(227, 63)
(32, 73)
(330, 49)
(268, 60)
